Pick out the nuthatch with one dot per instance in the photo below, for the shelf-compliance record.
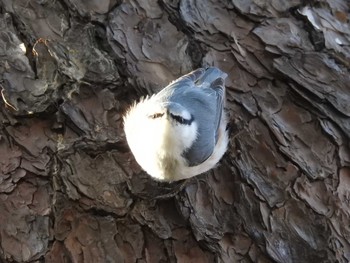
(180, 132)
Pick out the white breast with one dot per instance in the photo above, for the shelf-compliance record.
(158, 145)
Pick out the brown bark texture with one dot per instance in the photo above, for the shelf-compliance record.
(71, 191)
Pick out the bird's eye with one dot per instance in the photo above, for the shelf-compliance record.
(156, 115)
(181, 120)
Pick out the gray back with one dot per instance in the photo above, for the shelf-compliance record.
(201, 93)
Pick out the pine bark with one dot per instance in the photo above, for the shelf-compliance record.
(71, 191)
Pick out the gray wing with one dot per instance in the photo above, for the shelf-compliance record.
(215, 79)
(181, 83)
(203, 96)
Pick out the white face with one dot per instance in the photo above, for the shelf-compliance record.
(154, 136)
(184, 134)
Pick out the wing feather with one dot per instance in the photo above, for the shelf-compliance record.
(203, 94)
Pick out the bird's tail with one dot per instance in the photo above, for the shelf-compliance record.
(212, 76)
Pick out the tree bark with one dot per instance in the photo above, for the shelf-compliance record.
(71, 191)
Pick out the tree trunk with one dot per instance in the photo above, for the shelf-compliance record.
(71, 191)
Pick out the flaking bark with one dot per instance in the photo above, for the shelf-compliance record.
(71, 191)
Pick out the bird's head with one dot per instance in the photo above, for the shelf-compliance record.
(159, 134)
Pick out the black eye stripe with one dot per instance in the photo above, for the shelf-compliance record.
(181, 120)
(156, 115)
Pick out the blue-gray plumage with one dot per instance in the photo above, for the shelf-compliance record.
(187, 122)
(202, 94)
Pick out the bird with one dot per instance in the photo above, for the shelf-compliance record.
(180, 132)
